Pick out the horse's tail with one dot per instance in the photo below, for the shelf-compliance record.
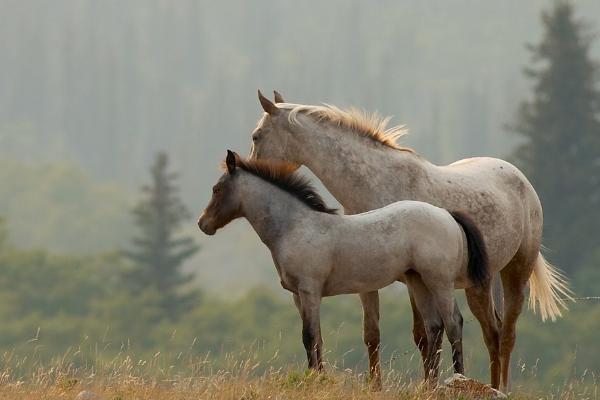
(549, 288)
(478, 266)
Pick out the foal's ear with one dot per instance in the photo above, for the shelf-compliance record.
(267, 105)
(278, 97)
(230, 162)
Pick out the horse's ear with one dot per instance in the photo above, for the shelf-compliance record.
(278, 97)
(267, 105)
(230, 161)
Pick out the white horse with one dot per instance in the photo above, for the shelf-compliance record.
(318, 253)
(357, 159)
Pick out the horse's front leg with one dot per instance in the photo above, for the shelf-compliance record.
(371, 336)
(310, 304)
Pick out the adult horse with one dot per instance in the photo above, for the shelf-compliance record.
(319, 253)
(357, 159)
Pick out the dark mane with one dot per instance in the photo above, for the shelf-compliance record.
(284, 176)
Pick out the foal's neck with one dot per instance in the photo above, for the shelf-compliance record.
(271, 211)
(361, 175)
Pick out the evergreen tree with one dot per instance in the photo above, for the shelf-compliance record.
(560, 126)
(157, 253)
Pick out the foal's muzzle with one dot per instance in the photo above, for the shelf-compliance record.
(205, 227)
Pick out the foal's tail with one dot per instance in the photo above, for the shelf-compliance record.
(478, 267)
(548, 287)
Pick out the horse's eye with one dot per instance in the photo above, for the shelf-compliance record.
(255, 138)
(216, 190)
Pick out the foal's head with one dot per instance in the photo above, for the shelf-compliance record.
(225, 204)
(240, 185)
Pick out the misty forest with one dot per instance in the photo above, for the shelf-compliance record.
(114, 117)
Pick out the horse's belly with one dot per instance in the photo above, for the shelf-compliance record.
(348, 285)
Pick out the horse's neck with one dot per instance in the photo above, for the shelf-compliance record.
(360, 175)
(268, 209)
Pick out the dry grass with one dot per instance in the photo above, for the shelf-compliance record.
(225, 386)
(239, 376)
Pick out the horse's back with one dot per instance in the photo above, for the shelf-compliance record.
(500, 198)
(487, 171)
(500, 178)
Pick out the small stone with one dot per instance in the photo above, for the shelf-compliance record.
(87, 395)
(461, 384)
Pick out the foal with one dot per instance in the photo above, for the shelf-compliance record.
(318, 253)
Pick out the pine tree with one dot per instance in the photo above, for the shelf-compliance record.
(560, 126)
(157, 254)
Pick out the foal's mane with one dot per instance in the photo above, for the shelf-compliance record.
(371, 125)
(284, 176)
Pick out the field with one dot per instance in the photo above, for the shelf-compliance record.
(226, 386)
(239, 376)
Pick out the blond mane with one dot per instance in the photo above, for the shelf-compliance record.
(371, 125)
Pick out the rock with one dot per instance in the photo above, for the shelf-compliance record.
(87, 395)
(461, 384)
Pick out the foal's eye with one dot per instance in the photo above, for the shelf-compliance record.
(255, 138)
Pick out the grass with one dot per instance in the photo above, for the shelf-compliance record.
(342, 385)
(239, 376)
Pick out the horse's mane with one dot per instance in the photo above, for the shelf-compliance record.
(284, 176)
(370, 125)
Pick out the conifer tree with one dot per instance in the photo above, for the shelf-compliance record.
(158, 253)
(560, 126)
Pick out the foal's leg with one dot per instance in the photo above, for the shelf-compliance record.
(482, 307)
(419, 333)
(310, 303)
(370, 303)
(320, 347)
(433, 323)
(442, 294)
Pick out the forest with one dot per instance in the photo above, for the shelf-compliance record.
(106, 107)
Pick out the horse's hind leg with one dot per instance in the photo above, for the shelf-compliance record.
(514, 283)
(482, 307)
(371, 336)
(456, 340)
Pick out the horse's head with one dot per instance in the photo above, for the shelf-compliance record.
(225, 204)
(273, 138)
